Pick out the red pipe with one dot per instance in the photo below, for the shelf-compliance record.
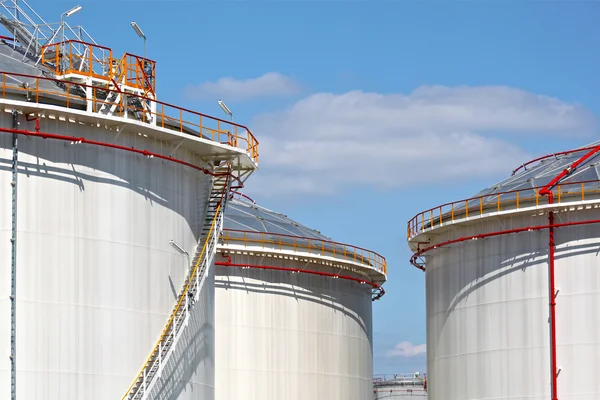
(552, 304)
(491, 234)
(546, 189)
(146, 153)
(375, 286)
(36, 119)
(243, 196)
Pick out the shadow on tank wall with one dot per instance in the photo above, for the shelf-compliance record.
(138, 178)
(197, 349)
(314, 289)
(476, 278)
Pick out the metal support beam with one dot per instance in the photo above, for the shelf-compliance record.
(13, 275)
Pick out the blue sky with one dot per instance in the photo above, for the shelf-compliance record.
(370, 111)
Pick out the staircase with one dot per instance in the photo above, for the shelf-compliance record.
(21, 34)
(113, 98)
(146, 383)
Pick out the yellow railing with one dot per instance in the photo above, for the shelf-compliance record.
(325, 248)
(87, 59)
(76, 57)
(167, 115)
(141, 72)
(180, 303)
(497, 202)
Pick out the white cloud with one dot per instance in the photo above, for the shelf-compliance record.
(326, 142)
(270, 84)
(406, 349)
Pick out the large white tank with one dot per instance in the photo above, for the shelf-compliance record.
(400, 387)
(98, 272)
(513, 285)
(293, 316)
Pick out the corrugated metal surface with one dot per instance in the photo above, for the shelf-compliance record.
(281, 335)
(97, 278)
(487, 312)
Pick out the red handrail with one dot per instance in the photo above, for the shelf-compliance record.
(560, 153)
(79, 42)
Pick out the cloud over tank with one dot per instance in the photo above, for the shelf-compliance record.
(436, 133)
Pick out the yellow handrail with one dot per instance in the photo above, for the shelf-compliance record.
(171, 117)
(311, 245)
(182, 296)
(448, 213)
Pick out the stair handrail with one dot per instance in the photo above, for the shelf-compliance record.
(182, 296)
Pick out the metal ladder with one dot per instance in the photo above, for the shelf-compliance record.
(113, 96)
(146, 382)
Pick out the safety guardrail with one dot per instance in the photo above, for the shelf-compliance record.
(496, 202)
(77, 57)
(318, 247)
(168, 116)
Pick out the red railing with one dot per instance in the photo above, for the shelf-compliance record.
(560, 153)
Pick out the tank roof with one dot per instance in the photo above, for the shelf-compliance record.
(248, 224)
(539, 172)
(13, 60)
(247, 216)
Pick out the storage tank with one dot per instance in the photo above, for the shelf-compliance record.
(400, 387)
(293, 310)
(104, 191)
(513, 284)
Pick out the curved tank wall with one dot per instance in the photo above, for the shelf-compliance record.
(97, 279)
(286, 335)
(487, 312)
(488, 299)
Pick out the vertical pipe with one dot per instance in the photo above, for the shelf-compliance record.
(13, 272)
(552, 303)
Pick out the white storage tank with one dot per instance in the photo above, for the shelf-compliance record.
(103, 188)
(513, 285)
(400, 387)
(293, 310)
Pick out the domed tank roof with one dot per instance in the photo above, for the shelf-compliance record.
(539, 172)
(244, 215)
(248, 224)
